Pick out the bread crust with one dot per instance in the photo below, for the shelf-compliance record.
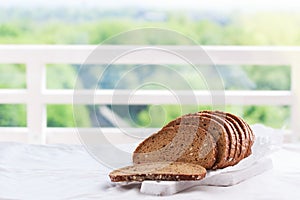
(246, 143)
(251, 138)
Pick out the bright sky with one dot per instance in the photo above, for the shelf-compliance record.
(172, 4)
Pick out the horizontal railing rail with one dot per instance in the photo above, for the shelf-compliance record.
(36, 96)
(143, 97)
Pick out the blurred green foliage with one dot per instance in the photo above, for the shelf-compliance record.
(93, 27)
(15, 72)
(273, 116)
(12, 115)
(62, 116)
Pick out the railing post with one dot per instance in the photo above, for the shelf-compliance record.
(36, 110)
(295, 107)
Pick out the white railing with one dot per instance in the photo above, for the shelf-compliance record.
(36, 96)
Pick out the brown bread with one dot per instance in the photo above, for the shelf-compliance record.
(160, 171)
(230, 133)
(251, 137)
(186, 143)
(207, 139)
(239, 135)
(213, 127)
(246, 143)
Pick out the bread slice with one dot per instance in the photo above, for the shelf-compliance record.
(214, 128)
(185, 143)
(251, 137)
(246, 136)
(230, 133)
(239, 135)
(159, 171)
(239, 143)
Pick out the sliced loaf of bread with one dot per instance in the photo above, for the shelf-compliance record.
(189, 145)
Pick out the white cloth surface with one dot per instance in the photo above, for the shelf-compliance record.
(68, 172)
